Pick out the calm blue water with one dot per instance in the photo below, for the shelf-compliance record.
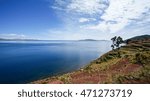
(25, 61)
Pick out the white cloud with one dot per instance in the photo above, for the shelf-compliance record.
(82, 20)
(74, 35)
(13, 36)
(106, 26)
(122, 12)
(105, 16)
(89, 7)
(126, 9)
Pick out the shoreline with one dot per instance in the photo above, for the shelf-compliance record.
(116, 66)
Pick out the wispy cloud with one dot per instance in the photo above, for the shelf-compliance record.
(79, 11)
(82, 20)
(121, 12)
(13, 36)
(105, 16)
(89, 7)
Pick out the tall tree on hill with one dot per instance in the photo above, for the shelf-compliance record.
(116, 42)
(114, 39)
(119, 41)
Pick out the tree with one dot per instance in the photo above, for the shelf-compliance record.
(119, 41)
(116, 42)
(112, 47)
(114, 39)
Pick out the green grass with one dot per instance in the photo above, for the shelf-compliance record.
(64, 78)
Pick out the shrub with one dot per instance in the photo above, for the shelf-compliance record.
(65, 78)
(142, 58)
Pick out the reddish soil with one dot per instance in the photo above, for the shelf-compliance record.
(124, 67)
(82, 77)
(88, 78)
(56, 82)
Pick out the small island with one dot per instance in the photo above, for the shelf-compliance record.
(88, 40)
(130, 64)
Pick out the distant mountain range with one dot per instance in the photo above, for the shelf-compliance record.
(91, 40)
(142, 37)
(2, 39)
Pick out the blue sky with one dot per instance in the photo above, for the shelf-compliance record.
(74, 19)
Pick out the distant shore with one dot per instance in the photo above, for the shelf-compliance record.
(4, 39)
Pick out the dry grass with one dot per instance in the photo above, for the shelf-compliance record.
(129, 64)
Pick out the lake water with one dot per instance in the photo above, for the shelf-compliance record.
(26, 61)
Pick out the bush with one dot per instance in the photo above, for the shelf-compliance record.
(142, 58)
(110, 56)
(65, 78)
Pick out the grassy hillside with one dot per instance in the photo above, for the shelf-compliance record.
(142, 37)
(138, 39)
(129, 64)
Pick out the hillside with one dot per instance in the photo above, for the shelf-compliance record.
(130, 64)
(138, 39)
(88, 40)
(142, 37)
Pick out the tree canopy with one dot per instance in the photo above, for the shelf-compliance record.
(116, 42)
